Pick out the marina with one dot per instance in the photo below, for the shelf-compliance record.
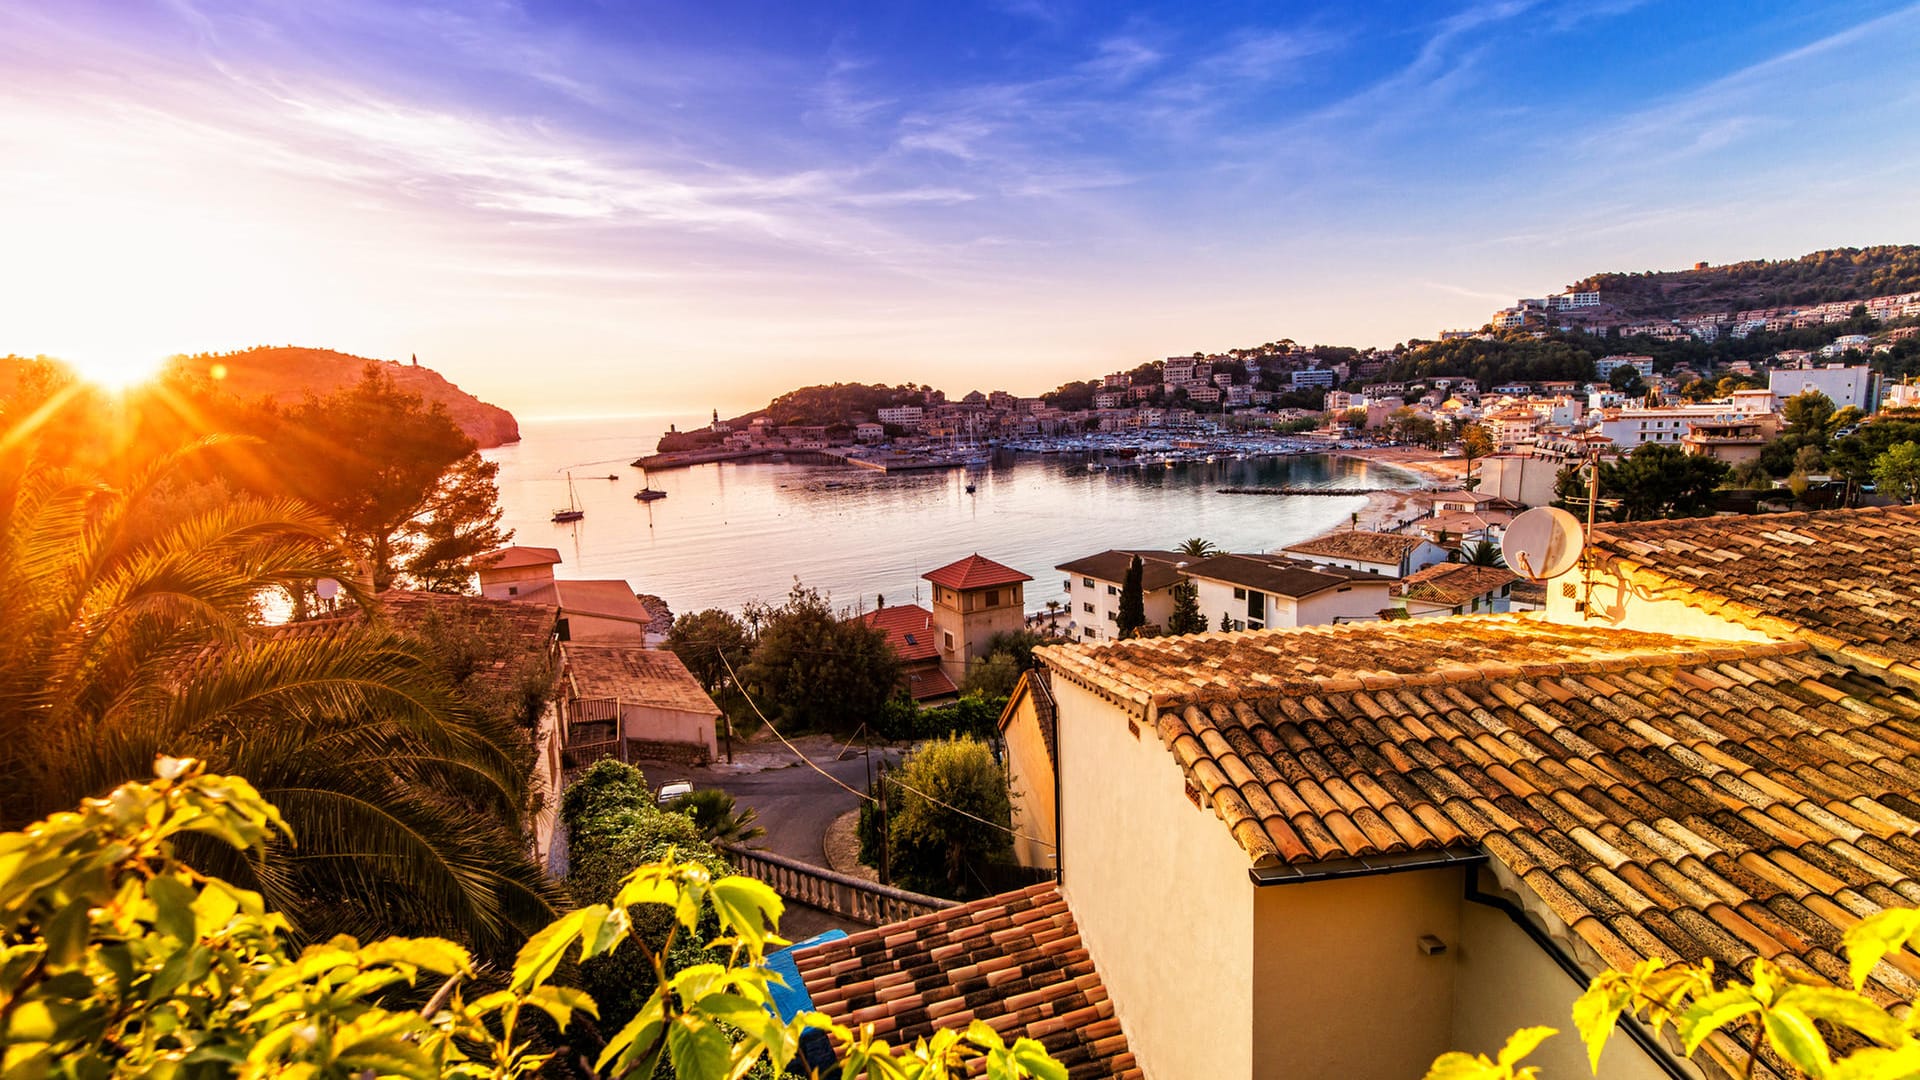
(748, 528)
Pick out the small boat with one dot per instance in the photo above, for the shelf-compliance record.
(647, 494)
(571, 511)
(613, 476)
(969, 489)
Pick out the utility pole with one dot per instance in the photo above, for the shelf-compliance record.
(886, 861)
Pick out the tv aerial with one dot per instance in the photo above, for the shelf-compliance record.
(1543, 543)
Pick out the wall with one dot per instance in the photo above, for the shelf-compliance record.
(1030, 777)
(1157, 604)
(1160, 892)
(1360, 601)
(1617, 605)
(506, 584)
(1522, 478)
(648, 724)
(1341, 986)
(1504, 982)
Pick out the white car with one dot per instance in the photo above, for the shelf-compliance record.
(673, 790)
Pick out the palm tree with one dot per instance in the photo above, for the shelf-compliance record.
(127, 638)
(1483, 553)
(713, 813)
(1198, 547)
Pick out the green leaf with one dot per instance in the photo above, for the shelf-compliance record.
(1878, 1063)
(1031, 1056)
(749, 909)
(543, 951)
(173, 907)
(638, 1038)
(1596, 1011)
(1458, 1066)
(1872, 938)
(438, 955)
(698, 1047)
(1523, 1042)
(559, 1002)
(1713, 1012)
(1795, 1038)
(1848, 1009)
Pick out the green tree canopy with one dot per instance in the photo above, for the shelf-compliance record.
(818, 671)
(1186, 617)
(710, 643)
(1659, 481)
(1897, 472)
(949, 813)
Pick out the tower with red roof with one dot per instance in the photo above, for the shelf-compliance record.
(974, 599)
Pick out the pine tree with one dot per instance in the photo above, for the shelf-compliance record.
(1133, 601)
(1186, 617)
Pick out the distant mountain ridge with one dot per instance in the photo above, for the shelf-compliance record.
(287, 374)
(1821, 277)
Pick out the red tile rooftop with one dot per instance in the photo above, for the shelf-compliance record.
(976, 572)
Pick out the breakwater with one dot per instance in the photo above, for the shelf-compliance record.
(1303, 491)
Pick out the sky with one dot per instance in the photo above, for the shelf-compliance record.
(580, 208)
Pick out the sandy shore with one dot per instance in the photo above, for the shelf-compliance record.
(1388, 511)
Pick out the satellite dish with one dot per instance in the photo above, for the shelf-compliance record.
(327, 588)
(1542, 543)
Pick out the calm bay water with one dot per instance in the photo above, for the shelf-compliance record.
(727, 534)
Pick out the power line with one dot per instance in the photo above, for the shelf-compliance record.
(869, 798)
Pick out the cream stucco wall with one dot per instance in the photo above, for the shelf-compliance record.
(1341, 987)
(1617, 603)
(1030, 785)
(509, 583)
(1361, 600)
(1504, 982)
(1160, 892)
(669, 725)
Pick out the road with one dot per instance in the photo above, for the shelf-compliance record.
(796, 804)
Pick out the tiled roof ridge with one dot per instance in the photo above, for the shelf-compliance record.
(1064, 660)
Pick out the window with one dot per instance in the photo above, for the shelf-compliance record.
(1256, 606)
(1113, 590)
(1111, 617)
(1239, 594)
(993, 597)
(513, 590)
(948, 635)
(1086, 607)
(1087, 581)
(1087, 631)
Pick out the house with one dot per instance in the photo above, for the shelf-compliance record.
(1732, 441)
(1093, 589)
(590, 610)
(1846, 582)
(1467, 817)
(974, 599)
(1454, 589)
(1389, 554)
(506, 571)
(910, 630)
(654, 706)
(1256, 591)
(1845, 385)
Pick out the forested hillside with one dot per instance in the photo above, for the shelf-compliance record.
(1822, 277)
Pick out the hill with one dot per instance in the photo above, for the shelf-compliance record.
(288, 374)
(1822, 277)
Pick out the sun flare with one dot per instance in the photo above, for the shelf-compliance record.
(115, 371)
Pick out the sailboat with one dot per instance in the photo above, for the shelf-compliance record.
(571, 511)
(648, 492)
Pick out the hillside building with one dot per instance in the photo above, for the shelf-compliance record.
(974, 599)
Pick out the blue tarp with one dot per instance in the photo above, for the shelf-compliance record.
(792, 999)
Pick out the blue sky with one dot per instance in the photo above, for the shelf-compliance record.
(605, 207)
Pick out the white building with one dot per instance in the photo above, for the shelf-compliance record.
(900, 415)
(1845, 385)
(1846, 343)
(1093, 590)
(1628, 428)
(1604, 367)
(1569, 301)
(1312, 377)
(1387, 554)
(1268, 591)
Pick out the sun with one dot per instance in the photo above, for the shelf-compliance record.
(115, 371)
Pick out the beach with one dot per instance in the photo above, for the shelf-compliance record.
(1388, 511)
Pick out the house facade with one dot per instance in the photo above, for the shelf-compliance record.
(1254, 592)
(1093, 587)
(974, 599)
(1386, 554)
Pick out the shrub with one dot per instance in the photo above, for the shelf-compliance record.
(948, 816)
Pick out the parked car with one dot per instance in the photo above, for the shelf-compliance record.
(674, 789)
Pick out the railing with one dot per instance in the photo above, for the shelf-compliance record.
(841, 894)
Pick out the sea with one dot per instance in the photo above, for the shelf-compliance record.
(727, 534)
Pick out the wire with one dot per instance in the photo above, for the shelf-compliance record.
(869, 798)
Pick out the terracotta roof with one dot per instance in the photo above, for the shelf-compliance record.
(1277, 575)
(508, 558)
(1360, 544)
(608, 598)
(1158, 569)
(1453, 583)
(1847, 581)
(1014, 960)
(1661, 796)
(909, 629)
(637, 676)
(927, 683)
(975, 572)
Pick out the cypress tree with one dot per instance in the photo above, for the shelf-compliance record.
(1133, 601)
(1186, 617)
